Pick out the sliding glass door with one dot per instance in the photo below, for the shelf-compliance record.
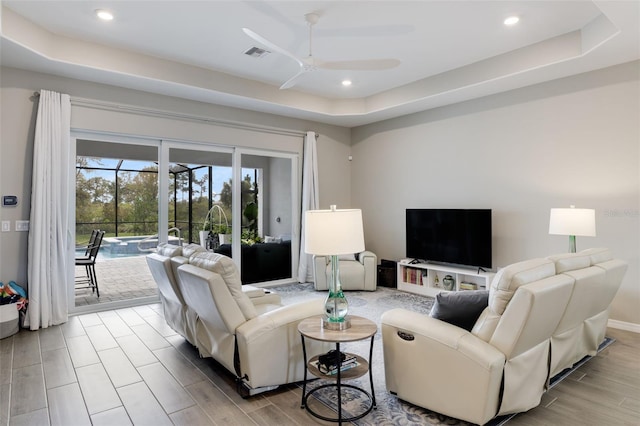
(116, 192)
(198, 192)
(231, 200)
(267, 212)
(242, 203)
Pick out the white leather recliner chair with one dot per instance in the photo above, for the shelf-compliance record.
(259, 342)
(357, 272)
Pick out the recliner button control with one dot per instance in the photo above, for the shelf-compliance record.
(406, 336)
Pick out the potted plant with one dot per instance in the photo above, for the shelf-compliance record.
(250, 213)
(224, 233)
(249, 237)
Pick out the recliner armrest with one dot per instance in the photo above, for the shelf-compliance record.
(366, 255)
(270, 345)
(261, 296)
(253, 291)
(442, 333)
(267, 298)
(282, 316)
(456, 365)
(319, 276)
(370, 262)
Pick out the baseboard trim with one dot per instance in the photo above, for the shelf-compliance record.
(622, 325)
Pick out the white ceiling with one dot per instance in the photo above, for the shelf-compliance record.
(449, 51)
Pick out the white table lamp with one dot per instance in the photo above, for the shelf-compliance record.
(572, 222)
(331, 233)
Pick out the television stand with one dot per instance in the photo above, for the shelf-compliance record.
(427, 278)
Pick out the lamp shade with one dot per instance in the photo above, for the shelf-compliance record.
(572, 221)
(333, 232)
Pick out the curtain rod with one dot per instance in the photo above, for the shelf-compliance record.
(151, 112)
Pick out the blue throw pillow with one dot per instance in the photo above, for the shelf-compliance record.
(460, 308)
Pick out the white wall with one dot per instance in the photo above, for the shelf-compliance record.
(570, 141)
(16, 156)
(18, 110)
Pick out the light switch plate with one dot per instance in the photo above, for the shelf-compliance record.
(6, 225)
(22, 225)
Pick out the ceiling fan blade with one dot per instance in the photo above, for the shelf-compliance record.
(271, 46)
(357, 65)
(292, 81)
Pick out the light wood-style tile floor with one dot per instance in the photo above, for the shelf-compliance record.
(603, 392)
(124, 367)
(128, 367)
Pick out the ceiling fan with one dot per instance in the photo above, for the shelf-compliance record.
(310, 63)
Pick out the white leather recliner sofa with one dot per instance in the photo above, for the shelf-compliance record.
(542, 316)
(357, 272)
(179, 316)
(245, 328)
(256, 338)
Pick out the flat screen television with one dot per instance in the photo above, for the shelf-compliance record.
(456, 236)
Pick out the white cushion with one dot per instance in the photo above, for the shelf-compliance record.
(508, 279)
(570, 262)
(169, 250)
(598, 255)
(189, 249)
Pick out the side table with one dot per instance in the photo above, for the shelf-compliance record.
(361, 328)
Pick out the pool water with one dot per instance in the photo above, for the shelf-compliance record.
(105, 253)
(121, 247)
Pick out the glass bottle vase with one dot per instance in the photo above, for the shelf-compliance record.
(335, 306)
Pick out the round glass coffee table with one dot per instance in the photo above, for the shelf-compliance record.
(361, 328)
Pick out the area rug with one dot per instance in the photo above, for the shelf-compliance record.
(390, 411)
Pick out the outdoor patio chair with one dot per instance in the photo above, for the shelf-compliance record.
(89, 263)
(92, 240)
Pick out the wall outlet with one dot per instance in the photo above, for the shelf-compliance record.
(6, 225)
(22, 225)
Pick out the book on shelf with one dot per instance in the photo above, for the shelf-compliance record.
(468, 286)
(413, 276)
(343, 367)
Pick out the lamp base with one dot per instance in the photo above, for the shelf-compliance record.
(334, 325)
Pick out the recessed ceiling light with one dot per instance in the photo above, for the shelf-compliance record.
(511, 20)
(105, 15)
(346, 83)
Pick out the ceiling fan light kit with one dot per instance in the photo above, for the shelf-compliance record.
(310, 63)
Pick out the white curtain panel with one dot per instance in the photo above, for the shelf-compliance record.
(49, 233)
(310, 201)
